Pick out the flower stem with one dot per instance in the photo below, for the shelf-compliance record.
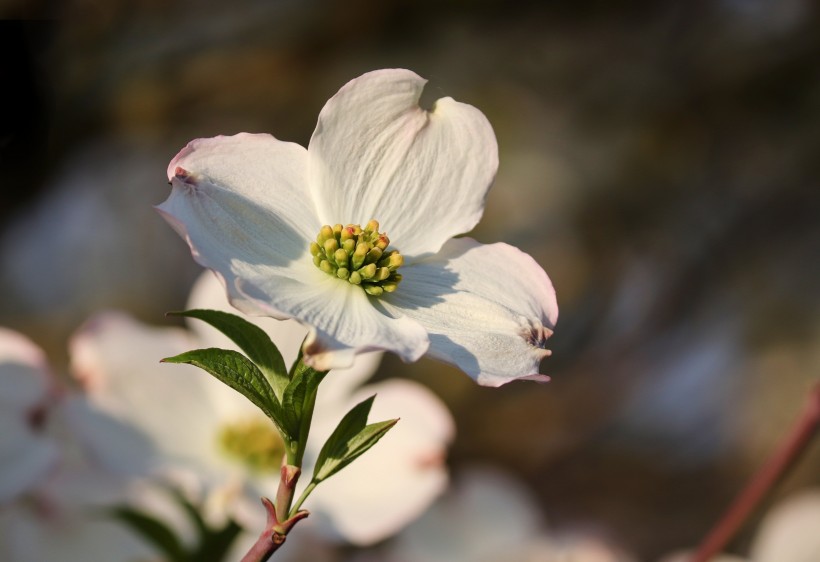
(784, 458)
(287, 488)
(279, 522)
(303, 497)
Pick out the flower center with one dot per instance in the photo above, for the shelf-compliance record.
(359, 256)
(255, 443)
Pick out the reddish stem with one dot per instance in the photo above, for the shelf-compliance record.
(274, 534)
(278, 523)
(784, 458)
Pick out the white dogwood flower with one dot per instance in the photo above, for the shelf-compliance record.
(48, 491)
(282, 226)
(26, 455)
(178, 420)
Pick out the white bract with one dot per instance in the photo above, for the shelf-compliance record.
(486, 516)
(177, 419)
(252, 208)
(48, 491)
(26, 455)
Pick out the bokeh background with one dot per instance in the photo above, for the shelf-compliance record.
(658, 158)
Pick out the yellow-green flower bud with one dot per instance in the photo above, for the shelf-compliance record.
(373, 256)
(331, 246)
(382, 242)
(392, 260)
(325, 233)
(340, 256)
(358, 256)
(373, 290)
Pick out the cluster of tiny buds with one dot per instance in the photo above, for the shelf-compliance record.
(359, 256)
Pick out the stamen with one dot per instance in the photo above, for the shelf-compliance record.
(254, 442)
(359, 256)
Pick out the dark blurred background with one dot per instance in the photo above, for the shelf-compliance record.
(658, 158)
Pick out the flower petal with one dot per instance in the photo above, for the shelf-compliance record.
(25, 457)
(344, 321)
(487, 515)
(375, 154)
(135, 404)
(396, 480)
(240, 202)
(26, 534)
(789, 532)
(25, 379)
(488, 309)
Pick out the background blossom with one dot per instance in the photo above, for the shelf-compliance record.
(178, 415)
(658, 158)
(50, 489)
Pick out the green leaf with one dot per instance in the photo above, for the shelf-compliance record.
(297, 405)
(237, 371)
(251, 339)
(351, 438)
(152, 530)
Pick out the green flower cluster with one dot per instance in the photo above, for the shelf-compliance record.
(359, 256)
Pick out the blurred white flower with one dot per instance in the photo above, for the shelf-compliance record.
(791, 531)
(47, 490)
(488, 516)
(250, 207)
(199, 430)
(26, 455)
(788, 533)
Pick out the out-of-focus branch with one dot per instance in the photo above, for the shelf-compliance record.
(778, 465)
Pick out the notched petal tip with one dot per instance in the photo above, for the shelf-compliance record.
(536, 335)
(185, 179)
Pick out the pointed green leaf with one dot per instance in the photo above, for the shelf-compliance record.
(299, 398)
(351, 438)
(297, 406)
(251, 339)
(152, 530)
(237, 371)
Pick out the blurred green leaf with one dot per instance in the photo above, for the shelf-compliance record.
(153, 531)
(252, 340)
(351, 438)
(215, 544)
